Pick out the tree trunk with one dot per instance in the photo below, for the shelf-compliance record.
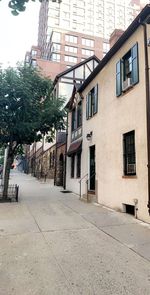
(9, 162)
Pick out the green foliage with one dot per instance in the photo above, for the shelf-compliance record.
(20, 5)
(28, 109)
(2, 155)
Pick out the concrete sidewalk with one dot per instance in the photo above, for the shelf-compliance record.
(52, 243)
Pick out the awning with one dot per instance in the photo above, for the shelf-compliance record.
(75, 147)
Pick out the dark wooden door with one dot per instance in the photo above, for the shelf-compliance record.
(92, 168)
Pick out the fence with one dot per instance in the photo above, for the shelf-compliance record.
(13, 191)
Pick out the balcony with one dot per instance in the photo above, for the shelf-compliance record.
(77, 133)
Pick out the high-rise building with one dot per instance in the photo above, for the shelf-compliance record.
(94, 18)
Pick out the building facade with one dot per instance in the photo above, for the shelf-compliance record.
(110, 157)
(97, 19)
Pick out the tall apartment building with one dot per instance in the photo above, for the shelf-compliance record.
(60, 23)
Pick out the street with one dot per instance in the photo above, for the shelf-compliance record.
(51, 243)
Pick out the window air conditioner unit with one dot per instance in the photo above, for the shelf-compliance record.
(131, 168)
(126, 84)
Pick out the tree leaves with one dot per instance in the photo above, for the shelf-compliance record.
(28, 108)
(18, 6)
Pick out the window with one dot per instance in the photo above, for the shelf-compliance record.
(70, 58)
(127, 71)
(71, 39)
(106, 47)
(78, 165)
(72, 165)
(129, 153)
(55, 47)
(33, 52)
(56, 37)
(79, 114)
(55, 57)
(92, 102)
(88, 42)
(34, 63)
(73, 119)
(71, 49)
(87, 52)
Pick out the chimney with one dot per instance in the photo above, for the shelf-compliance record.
(116, 34)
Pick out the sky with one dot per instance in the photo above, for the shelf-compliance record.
(17, 33)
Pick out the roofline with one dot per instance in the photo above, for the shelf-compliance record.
(76, 66)
(129, 31)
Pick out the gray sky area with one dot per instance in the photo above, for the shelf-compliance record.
(17, 33)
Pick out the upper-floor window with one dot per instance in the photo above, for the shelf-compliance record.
(34, 62)
(77, 116)
(56, 37)
(55, 47)
(73, 119)
(106, 47)
(92, 102)
(55, 57)
(127, 71)
(34, 52)
(71, 49)
(87, 52)
(70, 58)
(129, 153)
(71, 38)
(88, 42)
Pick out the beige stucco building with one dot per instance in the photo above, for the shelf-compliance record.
(115, 123)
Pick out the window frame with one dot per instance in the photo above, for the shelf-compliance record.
(132, 75)
(79, 114)
(92, 102)
(129, 153)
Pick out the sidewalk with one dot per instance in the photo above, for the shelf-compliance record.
(52, 243)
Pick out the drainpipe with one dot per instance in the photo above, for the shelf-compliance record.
(147, 109)
(55, 166)
(66, 153)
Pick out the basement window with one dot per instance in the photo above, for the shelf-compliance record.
(129, 209)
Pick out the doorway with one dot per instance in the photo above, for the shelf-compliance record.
(92, 168)
(61, 170)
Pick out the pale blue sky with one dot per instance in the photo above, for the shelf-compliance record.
(17, 33)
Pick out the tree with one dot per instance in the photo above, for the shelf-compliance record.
(28, 111)
(20, 5)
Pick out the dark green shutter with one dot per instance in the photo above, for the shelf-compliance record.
(95, 109)
(90, 104)
(118, 78)
(87, 106)
(135, 64)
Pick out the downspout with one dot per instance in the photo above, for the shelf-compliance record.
(66, 154)
(147, 109)
(55, 166)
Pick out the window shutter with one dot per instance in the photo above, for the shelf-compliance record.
(90, 104)
(95, 99)
(135, 64)
(118, 78)
(87, 106)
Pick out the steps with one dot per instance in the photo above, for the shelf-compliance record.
(91, 197)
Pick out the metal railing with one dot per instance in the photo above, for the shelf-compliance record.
(12, 194)
(80, 182)
(87, 185)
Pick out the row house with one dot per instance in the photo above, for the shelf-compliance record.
(108, 144)
(49, 159)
